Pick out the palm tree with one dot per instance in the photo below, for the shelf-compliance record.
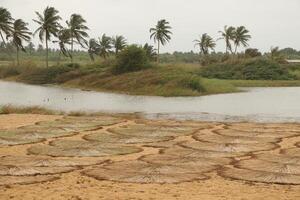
(6, 22)
(119, 43)
(105, 46)
(77, 29)
(228, 36)
(93, 48)
(205, 43)
(64, 39)
(241, 37)
(150, 51)
(20, 33)
(161, 34)
(48, 25)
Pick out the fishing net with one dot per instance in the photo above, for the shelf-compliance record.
(36, 161)
(215, 138)
(265, 127)
(72, 148)
(260, 176)
(234, 149)
(266, 166)
(153, 131)
(192, 160)
(279, 158)
(269, 134)
(143, 172)
(125, 139)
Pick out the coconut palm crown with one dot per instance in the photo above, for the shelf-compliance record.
(49, 26)
(161, 34)
(205, 43)
(77, 29)
(6, 22)
(20, 33)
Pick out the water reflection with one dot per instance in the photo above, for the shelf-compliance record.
(258, 104)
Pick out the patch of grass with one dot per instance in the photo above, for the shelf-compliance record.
(248, 69)
(7, 109)
(264, 83)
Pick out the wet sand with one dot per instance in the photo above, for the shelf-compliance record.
(74, 185)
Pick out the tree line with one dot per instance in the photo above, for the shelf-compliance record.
(74, 31)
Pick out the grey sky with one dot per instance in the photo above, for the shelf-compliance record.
(271, 22)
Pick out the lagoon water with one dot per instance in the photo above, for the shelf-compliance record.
(255, 104)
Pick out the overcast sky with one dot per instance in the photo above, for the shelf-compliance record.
(271, 22)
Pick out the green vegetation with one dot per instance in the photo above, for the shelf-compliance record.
(253, 69)
(25, 110)
(132, 58)
(111, 64)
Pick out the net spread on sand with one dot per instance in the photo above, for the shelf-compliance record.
(188, 151)
(80, 148)
(143, 172)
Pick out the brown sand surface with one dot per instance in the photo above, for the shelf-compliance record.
(78, 186)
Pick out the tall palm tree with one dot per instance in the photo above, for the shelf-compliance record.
(119, 43)
(64, 39)
(228, 35)
(6, 22)
(105, 46)
(20, 33)
(150, 51)
(77, 29)
(93, 48)
(48, 26)
(205, 43)
(241, 37)
(161, 34)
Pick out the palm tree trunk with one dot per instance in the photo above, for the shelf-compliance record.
(47, 56)
(235, 49)
(158, 45)
(72, 46)
(2, 38)
(18, 60)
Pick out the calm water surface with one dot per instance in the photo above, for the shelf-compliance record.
(257, 104)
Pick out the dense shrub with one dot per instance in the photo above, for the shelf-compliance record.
(36, 75)
(254, 69)
(192, 82)
(132, 58)
(9, 71)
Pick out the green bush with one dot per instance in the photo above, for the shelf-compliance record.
(132, 58)
(9, 71)
(48, 75)
(192, 82)
(253, 69)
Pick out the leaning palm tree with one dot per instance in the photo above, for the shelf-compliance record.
(77, 29)
(20, 33)
(241, 37)
(205, 43)
(93, 48)
(48, 26)
(161, 34)
(150, 51)
(228, 36)
(6, 22)
(105, 46)
(119, 43)
(64, 38)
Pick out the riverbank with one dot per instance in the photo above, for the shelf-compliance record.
(170, 80)
(206, 176)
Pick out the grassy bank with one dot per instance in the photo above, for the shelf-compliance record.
(157, 80)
